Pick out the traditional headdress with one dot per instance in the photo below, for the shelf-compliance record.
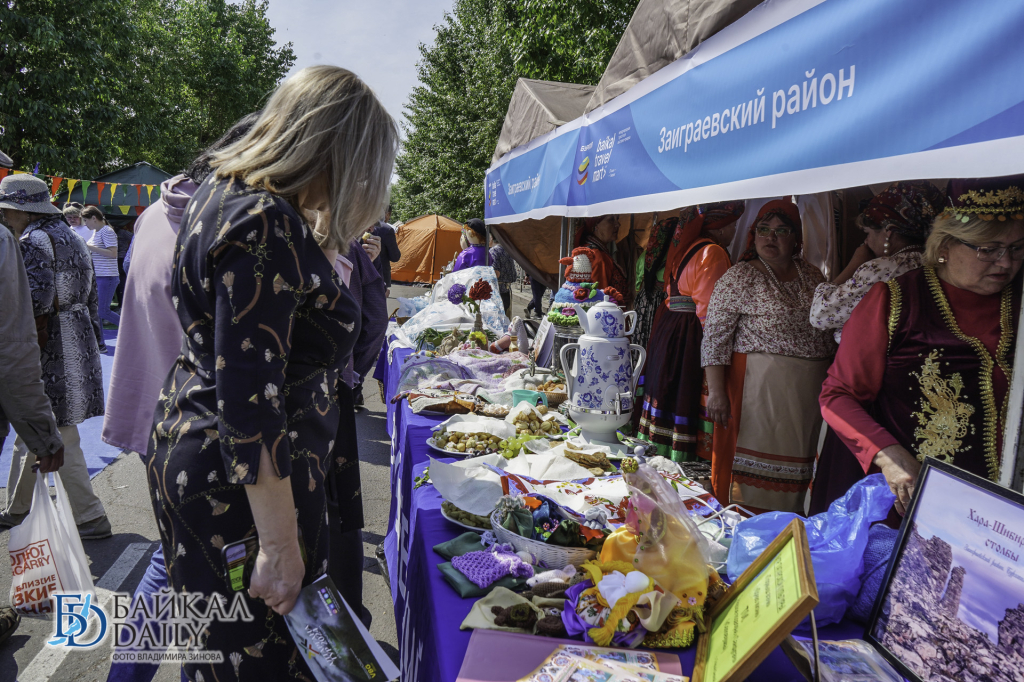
(987, 198)
(694, 220)
(786, 211)
(907, 208)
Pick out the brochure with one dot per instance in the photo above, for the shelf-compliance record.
(334, 642)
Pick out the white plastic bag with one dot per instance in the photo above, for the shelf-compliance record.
(46, 552)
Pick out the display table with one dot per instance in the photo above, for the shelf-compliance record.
(428, 611)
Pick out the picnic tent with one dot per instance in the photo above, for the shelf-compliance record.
(659, 33)
(123, 193)
(427, 243)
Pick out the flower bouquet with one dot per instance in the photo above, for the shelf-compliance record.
(480, 291)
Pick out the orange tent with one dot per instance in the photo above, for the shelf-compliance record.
(427, 243)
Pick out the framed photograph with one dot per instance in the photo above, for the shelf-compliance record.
(951, 606)
(759, 610)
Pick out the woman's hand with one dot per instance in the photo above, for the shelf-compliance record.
(277, 577)
(50, 463)
(861, 256)
(371, 245)
(719, 409)
(900, 469)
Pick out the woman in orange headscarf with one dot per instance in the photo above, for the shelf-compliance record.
(610, 265)
(765, 365)
(671, 417)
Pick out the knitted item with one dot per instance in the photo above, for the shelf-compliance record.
(556, 575)
(881, 541)
(517, 616)
(485, 567)
(551, 626)
(549, 590)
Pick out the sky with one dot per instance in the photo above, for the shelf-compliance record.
(377, 39)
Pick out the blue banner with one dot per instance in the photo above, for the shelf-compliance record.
(798, 96)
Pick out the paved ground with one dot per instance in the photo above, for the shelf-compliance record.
(118, 563)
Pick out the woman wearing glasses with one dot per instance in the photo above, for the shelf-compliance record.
(925, 363)
(764, 364)
(897, 222)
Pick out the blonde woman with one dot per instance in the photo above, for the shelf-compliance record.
(926, 358)
(248, 417)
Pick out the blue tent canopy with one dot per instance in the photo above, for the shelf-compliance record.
(796, 97)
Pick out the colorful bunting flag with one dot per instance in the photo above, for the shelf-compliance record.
(17, 172)
(125, 209)
(100, 186)
(4, 172)
(55, 185)
(149, 193)
(113, 188)
(71, 187)
(85, 189)
(139, 210)
(138, 195)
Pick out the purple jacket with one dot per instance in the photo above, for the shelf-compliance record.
(475, 255)
(367, 288)
(149, 338)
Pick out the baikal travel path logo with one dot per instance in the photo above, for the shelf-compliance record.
(164, 626)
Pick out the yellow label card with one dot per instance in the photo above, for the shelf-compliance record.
(753, 613)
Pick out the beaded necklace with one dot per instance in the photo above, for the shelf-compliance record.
(785, 292)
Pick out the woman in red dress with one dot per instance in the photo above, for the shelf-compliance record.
(923, 369)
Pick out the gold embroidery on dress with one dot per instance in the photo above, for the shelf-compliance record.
(944, 420)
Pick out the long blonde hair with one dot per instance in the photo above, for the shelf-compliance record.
(323, 119)
(948, 229)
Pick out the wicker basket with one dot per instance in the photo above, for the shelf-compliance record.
(556, 398)
(551, 556)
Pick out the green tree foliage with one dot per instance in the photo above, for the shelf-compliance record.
(454, 116)
(86, 87)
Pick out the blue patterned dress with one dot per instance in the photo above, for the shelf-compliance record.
(60, 274)
(268, 327)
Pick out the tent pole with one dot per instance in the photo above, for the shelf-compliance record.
(487, 244)
(563, 249)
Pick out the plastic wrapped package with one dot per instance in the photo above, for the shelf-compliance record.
(837, 539)
(441, 314)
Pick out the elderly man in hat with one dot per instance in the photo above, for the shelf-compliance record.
(64, 305)
(23, 402)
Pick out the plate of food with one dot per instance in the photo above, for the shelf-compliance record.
(463, 444)
(464, 519)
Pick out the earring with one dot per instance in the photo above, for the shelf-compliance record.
(885, 247)
(942, 259)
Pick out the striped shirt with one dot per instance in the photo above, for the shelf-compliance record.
(105, 238)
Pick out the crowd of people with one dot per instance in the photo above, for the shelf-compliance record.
(748, 365)
(255, 305)
(253, 308)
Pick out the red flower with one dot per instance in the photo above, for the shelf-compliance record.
(581, 294)
(481, 291)
(613, 294)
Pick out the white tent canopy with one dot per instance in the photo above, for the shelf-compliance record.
(537, 108)
(660, 32)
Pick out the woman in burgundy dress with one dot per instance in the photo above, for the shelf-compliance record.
(924, 366)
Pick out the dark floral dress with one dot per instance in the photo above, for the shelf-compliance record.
(268, 327)
(60, 275)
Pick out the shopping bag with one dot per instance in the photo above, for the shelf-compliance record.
(837, 539)
(46, 552)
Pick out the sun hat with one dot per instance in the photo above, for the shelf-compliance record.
(5, 161)
(26, 192)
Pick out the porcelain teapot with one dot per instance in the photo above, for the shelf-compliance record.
(605, 320)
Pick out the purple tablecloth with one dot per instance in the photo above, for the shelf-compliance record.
(428, 611)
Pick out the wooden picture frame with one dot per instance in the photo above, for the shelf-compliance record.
(991, 517)
(805, 601)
